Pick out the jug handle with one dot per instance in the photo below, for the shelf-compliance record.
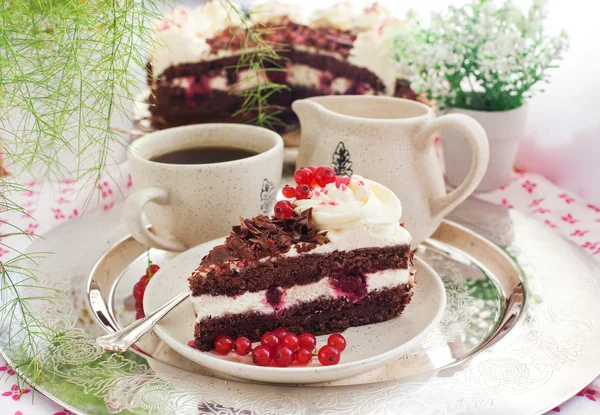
(478, 140)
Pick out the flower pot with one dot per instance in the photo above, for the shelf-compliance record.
(504, 130)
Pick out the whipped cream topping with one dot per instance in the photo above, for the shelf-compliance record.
(339, 16)
(373, 18)
(346, 16)
(372, 50)
(181, 36)
(175, 46)
(213, 17)
(359, 214)
(275, 12)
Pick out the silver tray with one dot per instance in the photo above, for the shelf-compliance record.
(487, 297)
(519, 337)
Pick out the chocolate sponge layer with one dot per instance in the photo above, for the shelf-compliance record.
(302, 269)
(322, 316)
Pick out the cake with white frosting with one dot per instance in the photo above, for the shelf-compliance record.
(334, 257)
(194, 71)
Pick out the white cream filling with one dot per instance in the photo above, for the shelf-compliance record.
(220, 305)
(300, 75)
(304, 75)
(340, 85)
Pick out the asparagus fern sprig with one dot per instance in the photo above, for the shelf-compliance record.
(259, 55)
(68, 69)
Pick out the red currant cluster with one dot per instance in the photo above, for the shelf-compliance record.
(284, 348)
(140, 288)
(307, 179)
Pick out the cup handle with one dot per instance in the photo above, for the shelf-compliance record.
(478, 140)
(134, 206)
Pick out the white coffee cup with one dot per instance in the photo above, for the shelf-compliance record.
(188, 204)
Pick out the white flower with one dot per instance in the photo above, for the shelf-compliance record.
(493, 46)
(488, 8)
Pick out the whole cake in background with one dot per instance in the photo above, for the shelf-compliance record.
(339, 50)
(334, 256)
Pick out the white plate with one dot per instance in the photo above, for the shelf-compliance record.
(369, 347)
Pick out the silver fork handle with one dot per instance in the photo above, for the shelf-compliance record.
(123, 339)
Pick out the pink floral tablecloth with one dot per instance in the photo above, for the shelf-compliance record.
(53, 203)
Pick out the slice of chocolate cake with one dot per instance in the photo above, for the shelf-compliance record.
(194, 75)
(334, 257)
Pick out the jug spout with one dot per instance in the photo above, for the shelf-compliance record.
(307, 110)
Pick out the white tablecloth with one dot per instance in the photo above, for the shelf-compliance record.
(53, 203)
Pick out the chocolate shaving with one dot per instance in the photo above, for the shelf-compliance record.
(264, 236)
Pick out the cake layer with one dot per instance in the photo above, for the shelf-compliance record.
(321, 316)
(208, 91)
(324, 63)
(234, 278)
(275, 299)
(295, 75)
(226, 46)
(170, 108)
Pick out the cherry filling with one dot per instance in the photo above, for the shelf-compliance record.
(232, 76)
(197, 87)
(350, 283)
(275, 297)
(325, 80)
(358, 88)
(278, 75)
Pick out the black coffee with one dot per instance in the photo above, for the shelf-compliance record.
(204, 155)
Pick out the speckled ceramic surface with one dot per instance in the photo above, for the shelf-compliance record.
(369, 347)
(390, 140)
(190, 204)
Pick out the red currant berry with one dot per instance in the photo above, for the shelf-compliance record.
(269, 340)
(192, 344)
(280, 332)
(139, 306)
(303, 191)
(340, 180)
(223, 344)
(307, 341)
(261, 356)
(284, 357)
(138, 291)
(284, 209)
(291, 342)
(312, 169)
(304, 356)
(338, 341)
(329, 355)
(304, 176)
(324, 176)
(242, 346)
(152, 269)
(145, 279)
(139, 315)
(289, 191)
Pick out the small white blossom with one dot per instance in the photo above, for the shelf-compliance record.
(489, 47)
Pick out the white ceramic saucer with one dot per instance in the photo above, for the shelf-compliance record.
(369, 347)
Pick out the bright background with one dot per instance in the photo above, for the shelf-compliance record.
(563, 139)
